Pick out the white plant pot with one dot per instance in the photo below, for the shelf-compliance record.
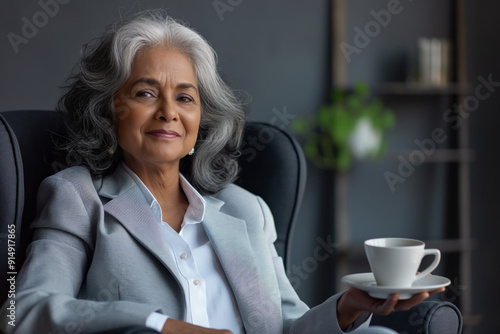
(365, 140)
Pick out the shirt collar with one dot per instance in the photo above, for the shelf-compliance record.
(195, 213)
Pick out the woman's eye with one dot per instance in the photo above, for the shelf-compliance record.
(143, 93)
(185, 98)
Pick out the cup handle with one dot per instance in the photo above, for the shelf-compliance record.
(432, 266)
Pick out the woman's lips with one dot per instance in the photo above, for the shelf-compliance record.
(165, 134)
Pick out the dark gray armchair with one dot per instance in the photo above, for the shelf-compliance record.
(27, 157)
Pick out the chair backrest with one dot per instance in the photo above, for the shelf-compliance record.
(11, 203)
(272, 166)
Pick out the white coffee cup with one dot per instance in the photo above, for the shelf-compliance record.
(395, 261)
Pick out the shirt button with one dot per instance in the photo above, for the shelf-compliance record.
(184, 256)
(196, 282)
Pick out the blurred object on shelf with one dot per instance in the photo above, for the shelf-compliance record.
(434, 66)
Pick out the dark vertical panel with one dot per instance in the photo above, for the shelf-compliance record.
(483, 54)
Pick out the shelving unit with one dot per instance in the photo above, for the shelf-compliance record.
(459, 156)
(410, 88)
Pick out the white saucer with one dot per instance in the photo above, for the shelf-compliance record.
(366, 282)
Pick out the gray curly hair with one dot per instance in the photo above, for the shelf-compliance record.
(106, 65)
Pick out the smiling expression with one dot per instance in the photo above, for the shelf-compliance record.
(158, 108)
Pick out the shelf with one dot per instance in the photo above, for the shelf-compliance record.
(407, 88)
(444, 245)
(439, 155)
(415, 89)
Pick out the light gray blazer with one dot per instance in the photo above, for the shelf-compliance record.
(99, 260)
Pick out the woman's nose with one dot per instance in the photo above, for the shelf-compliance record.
(166, 111)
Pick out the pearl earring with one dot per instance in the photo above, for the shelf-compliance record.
(191, 152)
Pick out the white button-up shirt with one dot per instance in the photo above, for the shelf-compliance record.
(209, 298)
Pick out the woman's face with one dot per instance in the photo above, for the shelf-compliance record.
(158, 108)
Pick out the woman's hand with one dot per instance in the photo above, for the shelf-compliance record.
(354, 301)
(173, 326)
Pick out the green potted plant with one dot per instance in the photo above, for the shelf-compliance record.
(351, 126)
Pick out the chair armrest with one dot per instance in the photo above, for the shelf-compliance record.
(429, 317)
(130, 330)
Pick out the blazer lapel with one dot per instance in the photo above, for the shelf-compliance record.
(130, 208)
(251, 288)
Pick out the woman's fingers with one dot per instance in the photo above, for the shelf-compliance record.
(362, 301)
(437, 291)
(407, 304)
(385, 307)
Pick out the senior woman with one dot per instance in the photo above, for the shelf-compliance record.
(122, 238)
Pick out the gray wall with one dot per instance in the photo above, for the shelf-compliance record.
(279, 53)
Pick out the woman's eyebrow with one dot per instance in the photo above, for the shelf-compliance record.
(187, 85)
(149, 81)
(154, 82)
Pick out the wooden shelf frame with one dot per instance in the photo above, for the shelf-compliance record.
(438, 156)
(462, 156)
(444, 245)
(416, 89)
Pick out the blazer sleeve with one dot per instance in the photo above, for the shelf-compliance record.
(58, 258)
(297, 317)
